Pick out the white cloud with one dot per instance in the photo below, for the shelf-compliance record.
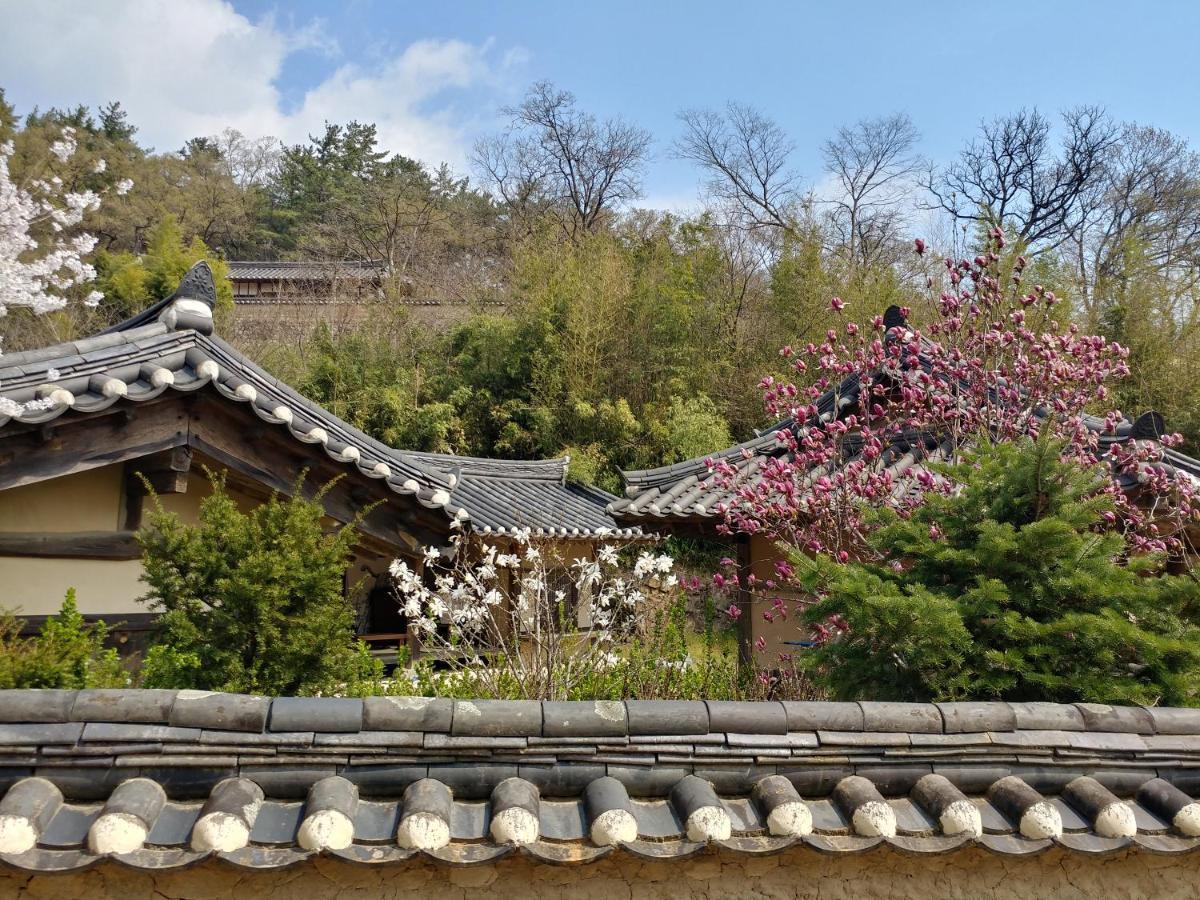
(193, 67)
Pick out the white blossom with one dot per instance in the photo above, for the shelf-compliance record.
(521, 629)
(38, 273)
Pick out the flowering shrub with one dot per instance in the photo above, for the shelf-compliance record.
(665, 659)
(525, 619)
(991, 362)
(42, 254)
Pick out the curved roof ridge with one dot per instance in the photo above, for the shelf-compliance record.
(481, 466)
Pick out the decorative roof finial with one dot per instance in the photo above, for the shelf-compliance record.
(1149, 426)
(893, 318)
(191, 306)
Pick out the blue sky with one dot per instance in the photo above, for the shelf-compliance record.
(436, 74)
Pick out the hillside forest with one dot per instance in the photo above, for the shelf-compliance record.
(587, 325)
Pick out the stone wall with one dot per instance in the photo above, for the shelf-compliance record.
(974, 874)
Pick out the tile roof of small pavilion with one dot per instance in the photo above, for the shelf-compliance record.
(160, 779)
(691, 491)
(170, 347)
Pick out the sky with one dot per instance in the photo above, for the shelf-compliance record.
(435, 76)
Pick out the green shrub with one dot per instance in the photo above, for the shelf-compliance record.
(66, 653)
(1012, 588)
(252, 602)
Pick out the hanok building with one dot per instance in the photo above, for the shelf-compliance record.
(280, 299)
(161, 397)
(318, 283)
(129, 793)
(690, 498)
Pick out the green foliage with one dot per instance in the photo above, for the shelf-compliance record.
(252, 601)
(131, 282)
(66, 653)
(1008, 589)
(615, 352)
(691, 427)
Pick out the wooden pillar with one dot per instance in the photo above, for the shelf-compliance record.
(745, 602)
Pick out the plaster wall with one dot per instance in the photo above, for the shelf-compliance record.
(93, 500)
(84, 501)
(974, 874)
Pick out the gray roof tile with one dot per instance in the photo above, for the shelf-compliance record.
(382, 763)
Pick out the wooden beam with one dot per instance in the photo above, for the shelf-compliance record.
(89, 442)
(71, 544)
(745, 599)
(173, 426)
(276, 459)
(166, 472)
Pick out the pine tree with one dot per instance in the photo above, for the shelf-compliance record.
(1007, 588)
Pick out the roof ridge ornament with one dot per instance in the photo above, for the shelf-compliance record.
(893, 317)
(1149, 426)
(191, 305)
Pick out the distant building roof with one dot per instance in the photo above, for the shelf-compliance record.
(306, 270)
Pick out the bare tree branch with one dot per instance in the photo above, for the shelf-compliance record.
(1011, 175)
(555, 158)
(746, 156)
(872, 161)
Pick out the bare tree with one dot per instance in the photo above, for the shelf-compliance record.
(1144, 213)
(873, 162)
(1012, 175)
(746, 156)
(555, 157)
(250, 162)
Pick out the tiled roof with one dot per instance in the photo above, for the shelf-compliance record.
(691, 491)
(507, 494)
(159, 779)
(314, 270)
(164, 349)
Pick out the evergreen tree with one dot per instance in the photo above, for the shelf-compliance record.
(252, 601)
(67, 653)
(1010, 588)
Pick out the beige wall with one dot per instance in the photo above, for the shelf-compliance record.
(763, 554)
(86, 501)
(36, 587)
(973, 874)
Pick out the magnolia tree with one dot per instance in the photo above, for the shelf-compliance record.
(990, 361)
(512, 616)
